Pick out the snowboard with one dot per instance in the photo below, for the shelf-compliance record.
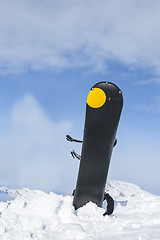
(103, 110)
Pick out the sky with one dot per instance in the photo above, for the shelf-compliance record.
(51, 53)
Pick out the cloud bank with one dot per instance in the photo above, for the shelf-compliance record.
(57, 35)
(33, 150)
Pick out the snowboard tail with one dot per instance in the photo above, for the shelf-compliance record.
(103, 110)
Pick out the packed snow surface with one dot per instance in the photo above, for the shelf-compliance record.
(35, 215)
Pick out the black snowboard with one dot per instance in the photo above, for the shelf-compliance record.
(103, 110)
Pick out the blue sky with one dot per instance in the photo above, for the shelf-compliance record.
(51, 53)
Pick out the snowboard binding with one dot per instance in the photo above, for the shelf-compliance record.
(103, 110)
(73, 153)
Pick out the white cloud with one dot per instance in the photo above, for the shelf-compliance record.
(42, 35)
(152, 107)
(147, 81)
(33, 150)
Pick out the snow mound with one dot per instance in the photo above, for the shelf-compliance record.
(35, 215)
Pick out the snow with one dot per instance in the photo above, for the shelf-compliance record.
(34, 215)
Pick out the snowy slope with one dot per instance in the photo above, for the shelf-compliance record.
(40, 216)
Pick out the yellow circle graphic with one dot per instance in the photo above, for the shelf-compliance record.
(96, 98)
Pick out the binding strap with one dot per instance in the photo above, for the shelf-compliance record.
(110, 204)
